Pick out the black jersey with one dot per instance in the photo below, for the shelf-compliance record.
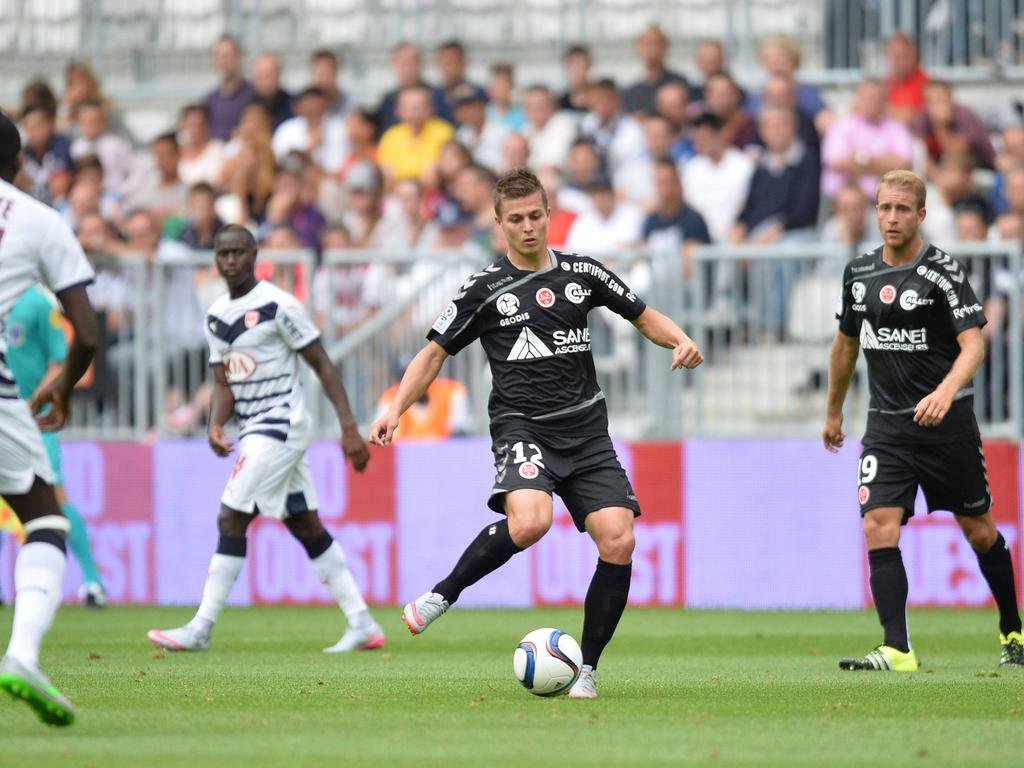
(908, 319)
(533, 327)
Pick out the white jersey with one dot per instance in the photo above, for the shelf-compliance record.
(36, 246)
(257, 337)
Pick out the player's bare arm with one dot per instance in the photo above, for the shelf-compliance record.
(932, 408)
(664, 332)
(352, 442)
(57, 392)
(222, 408)
(417, 379)
(842, 362)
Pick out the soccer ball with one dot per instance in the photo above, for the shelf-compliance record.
(547, 662)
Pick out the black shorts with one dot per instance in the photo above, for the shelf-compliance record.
(952, 476)
(585, 472)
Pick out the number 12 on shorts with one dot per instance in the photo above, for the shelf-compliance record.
(519, 453)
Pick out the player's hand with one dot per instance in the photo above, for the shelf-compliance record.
(833, 434)
(686, 355)
(933, 408)
(355, 448)
(382, 431)
(51, 394)
(219, 442)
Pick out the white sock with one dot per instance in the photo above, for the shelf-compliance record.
(224, 570)
(38, 583)
(331, 569)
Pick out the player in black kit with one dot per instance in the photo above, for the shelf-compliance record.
(910, 307)
(549, 423)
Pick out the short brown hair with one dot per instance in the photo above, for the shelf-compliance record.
(515, 185)
(902, 179)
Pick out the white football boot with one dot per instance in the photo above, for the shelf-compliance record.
(423, 610)
(585, 686)
(367, 638)
(186, 638)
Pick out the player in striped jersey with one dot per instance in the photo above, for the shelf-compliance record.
(256, 334)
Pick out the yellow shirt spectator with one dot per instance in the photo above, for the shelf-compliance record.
(406, 156)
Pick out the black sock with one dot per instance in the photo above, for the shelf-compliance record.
(889, 588)
(997, 568)
(606, 599)
(490, 550)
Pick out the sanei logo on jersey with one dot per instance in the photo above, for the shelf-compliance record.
(571, 341)
(966, 311)
(893, 339)
(529, 345)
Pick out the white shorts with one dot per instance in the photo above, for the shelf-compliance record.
(269, 478)
(22, 454)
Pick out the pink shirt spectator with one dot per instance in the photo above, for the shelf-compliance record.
(852, 136)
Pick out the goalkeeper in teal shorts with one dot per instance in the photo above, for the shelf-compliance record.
(36, 348)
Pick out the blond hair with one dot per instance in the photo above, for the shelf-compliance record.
(907, 180)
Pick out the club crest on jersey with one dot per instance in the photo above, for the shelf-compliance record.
(238, 366)
(252, 318)
(545, 297)
(887, 294)
(507, 304)
(528, 470)
(864, 494)
(576, 293)
(859, 290)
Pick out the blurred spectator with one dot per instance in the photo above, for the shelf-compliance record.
(724, 98)
(483, 137)
(607, 225)
(161, 190)
(780, 58)
(576, 62)
(324, 70)
(583, 167)
(411, 147)
(1009, 228)
(1015, 192)
(255, 120)
(202, 158)
(971, 223)
(781, 92)
(501, 108)
(451, 64)
(368, 221)
(636, 181)
(224, 104)
(955, 183)
(363, 127)
(248, 181)
(560, 220)
(37, 93)
(673, 103)
(115, 152)
(419, 228)
(293, 203)
(81, 85)
(88, 194)
(673, 226)
(441, 413)
(473, 188)
(852, 220)
(1011, 156)
(710, 59)
(652, 50)
(312, 131)
(203, 222)
(46, 155)
(515, 153)
(266, 82)
(439, 182)
(110, 292)
(785, 188)
(717, 178)
(617, 136)
(865, 145)
(549, 132)
(947, 126)
(905, 79)
(407, 65)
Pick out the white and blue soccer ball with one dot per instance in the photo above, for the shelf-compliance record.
(547, 662)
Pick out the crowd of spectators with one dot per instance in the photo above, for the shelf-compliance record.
(669, 160)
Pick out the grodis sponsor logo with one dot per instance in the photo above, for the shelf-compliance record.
(445, 318)
(909, 300)
(888, 294)
(507, 304)
(576, 293)
(859, 291)
(966, 311)
(238, 366)
(545, 297)
(893, 339)
(571, 341)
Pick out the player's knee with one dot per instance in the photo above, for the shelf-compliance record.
(231, 522)
(980, 534)
(617, 547)
(880, 533)
(528, 526)
(48, 529)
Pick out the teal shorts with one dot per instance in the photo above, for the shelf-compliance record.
(52, 442)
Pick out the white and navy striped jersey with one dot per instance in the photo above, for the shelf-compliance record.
(36, 246)
(257, 337)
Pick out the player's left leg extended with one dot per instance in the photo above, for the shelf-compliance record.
(612, 530)
(328, 559)
(997, 568)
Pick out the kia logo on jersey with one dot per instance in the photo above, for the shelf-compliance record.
(887, 294)
(238, 366)
(545, 297)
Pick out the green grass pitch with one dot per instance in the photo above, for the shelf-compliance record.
(677, 688)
